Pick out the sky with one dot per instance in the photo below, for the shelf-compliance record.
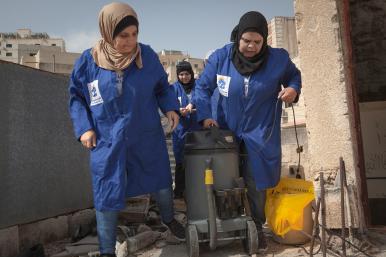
(194, 27)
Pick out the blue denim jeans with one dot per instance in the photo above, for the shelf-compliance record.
(107, 220)
(106, 227)
(164, 199)
(256, 197)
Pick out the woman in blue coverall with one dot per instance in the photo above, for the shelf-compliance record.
(115, 91)
(184, 89)
(252, 79)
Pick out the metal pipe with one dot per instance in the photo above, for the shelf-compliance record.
(222, 239)
(342, 209)
(212, 227)
(323, 205)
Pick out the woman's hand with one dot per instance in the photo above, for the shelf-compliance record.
(187, 110)
(173, 119)
(184, 112)
(287, 95)
(209, 123)
(88, 139)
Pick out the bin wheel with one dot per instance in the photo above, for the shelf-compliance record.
(250, 243)
(192, 244)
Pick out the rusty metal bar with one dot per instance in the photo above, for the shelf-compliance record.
(323, 213)
(316, 227)
(348, 242)
(348, 209)
(342, 202)
(353, 103)
(332, 251)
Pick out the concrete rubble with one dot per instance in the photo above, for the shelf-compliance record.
(145, 236)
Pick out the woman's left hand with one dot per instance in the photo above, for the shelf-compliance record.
(184, 112)
(189, 108)
(287, 95)
(173, 119)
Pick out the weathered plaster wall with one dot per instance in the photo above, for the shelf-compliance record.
(324, 91)
(328, 117)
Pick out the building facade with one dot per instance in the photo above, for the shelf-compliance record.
(51, 59)
(170, 58)
(282, 34)
(36, 50)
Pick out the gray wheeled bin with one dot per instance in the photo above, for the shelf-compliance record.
(217, 206)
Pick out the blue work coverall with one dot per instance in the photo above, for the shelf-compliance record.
(187, 123)
(249, 106)
(130, 157)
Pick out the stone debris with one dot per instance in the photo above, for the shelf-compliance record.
(152, 238)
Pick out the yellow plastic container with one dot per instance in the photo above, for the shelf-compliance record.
(296, 237)
(288, 210)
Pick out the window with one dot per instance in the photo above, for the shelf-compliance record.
(164, 63)
(8, 45)
(8, 54)
(53, 44)
(37, 44)
(196, 65)
(32, 54)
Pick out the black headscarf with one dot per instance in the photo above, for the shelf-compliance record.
(249, 22)
(124, 23)
(186, 66)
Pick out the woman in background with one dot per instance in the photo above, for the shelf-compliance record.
(184, 88)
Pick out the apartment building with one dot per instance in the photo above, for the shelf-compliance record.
(282, 34)
(36, 50)
(170, 58)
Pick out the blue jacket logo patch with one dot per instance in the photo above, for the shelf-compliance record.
(95, 95)
(223, 84)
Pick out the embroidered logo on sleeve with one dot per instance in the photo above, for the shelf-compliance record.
(95, 95)
(223, 84)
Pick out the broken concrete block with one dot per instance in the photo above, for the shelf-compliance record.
(142, 240)
(136, 209)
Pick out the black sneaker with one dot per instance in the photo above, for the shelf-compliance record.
(263, 246)
(107, 255)
(177, 229)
